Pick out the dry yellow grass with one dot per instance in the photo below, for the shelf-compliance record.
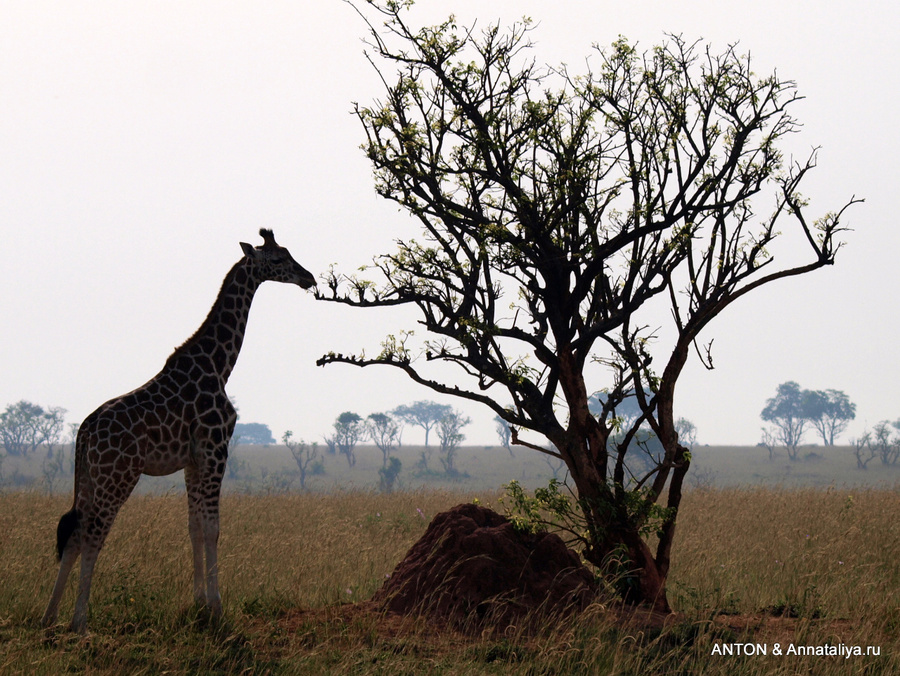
(768, 566)
(836, 548)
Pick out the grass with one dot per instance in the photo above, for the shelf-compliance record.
(793, 567)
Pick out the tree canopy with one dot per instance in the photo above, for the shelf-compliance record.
(564, 217)
(830, 412)
(424, 414)
(254, 433)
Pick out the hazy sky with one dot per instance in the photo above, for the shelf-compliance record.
(140, 144)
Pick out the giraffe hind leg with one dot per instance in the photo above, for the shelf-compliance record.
(88, 559)
(93, 535)
(67, 548)
(94, 525)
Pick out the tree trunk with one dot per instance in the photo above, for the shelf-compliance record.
(650, 581)
(619, 551)
(616, 548)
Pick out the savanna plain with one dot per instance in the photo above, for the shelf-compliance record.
(793, 566)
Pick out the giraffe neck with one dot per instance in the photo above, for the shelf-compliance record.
(215, 347)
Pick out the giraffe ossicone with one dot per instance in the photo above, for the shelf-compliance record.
(181, 419)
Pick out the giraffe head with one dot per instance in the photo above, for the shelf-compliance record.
(276, 263)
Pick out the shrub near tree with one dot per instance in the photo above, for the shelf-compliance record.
(388, 475)
(555, 207)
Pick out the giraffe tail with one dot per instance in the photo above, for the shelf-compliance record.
(68, 522)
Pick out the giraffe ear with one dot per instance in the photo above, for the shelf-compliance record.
(248, 250)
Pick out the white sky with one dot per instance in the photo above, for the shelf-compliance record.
(140, 144)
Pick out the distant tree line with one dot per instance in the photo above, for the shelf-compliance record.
(791, 414)
(385, 429)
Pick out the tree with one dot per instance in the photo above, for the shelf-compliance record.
(73, 434)
(384, 431)
(24, 426)
(234, 442)
(768, 442)
(886, 447)
(830, 412)
(687, 432)
(560, 213)
(450, 437)
(304, 454)
(863, 450)
(504, 433)
(49, 428)
(349, 430)
(424, 414)
(789, 411)
(17, 426)
(557, 466)
(254, 433)
(622, 413)
(51, 468)
(644, 451)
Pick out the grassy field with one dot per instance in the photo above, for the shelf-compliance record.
(799, 567)
(818, 466)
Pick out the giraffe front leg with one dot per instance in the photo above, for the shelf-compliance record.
(195, 528)
(203, 507)
(211, 544)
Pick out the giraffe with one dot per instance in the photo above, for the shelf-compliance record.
(181, 419)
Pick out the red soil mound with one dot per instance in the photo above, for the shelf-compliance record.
(472, 568)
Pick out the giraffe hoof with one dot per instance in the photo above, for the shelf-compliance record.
(80, 629)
